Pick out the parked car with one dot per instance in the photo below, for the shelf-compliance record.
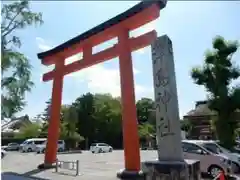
(215, 148)
(100, 148)
(42, 147)
(30, 144)
(4, 147)
(237, 147)
(11, 147)
(210, 163)
(3, 153)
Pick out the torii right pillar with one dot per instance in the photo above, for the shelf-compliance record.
(170, 163)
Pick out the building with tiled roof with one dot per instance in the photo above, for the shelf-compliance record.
(13, 125)
(200, 118)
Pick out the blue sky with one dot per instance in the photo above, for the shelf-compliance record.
(190, 25)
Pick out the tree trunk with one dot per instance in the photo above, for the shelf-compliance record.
(86, 143)
(225, 130)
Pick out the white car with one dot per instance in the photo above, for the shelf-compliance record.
(100, 148)
(3, 153)
(42, 147)
(210, 163)
(30, 144)
(217, 149)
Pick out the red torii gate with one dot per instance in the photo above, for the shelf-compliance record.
(119, 26)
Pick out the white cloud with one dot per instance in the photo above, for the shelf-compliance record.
(100, 79)
(74, 58)
(42, 44)
(142, 30)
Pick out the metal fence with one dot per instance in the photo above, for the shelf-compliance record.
(69, 165)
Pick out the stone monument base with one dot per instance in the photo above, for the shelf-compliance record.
(172, 170)
(131, 175)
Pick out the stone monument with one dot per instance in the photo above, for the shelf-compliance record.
(166, 102)
(170, 163)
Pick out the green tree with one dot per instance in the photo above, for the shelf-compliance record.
(107, 116)
(66, 114)
(216, 76)
(145, 112)
(84, 106)
(186, 125)
(72, 138)
(146, 131)
(99, 118)
(31, 130)
(45, 116)
(15, 66)
(69, 122)
(237, 132)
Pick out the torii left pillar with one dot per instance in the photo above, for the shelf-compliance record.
(55, 114)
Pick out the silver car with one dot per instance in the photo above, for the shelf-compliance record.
(209, 162)
(12, 147)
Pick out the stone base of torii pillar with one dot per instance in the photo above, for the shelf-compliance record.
(170, 163)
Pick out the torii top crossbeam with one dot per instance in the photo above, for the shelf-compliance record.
(137, 16)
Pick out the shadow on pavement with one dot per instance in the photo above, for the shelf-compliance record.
(16, 176)
(33, 172)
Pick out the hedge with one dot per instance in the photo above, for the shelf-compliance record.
(5, 141)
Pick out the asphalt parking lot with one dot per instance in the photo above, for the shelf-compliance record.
(102, 166)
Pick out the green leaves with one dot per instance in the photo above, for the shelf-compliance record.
(198, 76)
(15, 66)
(145, 111)
(31, 130)
(11, 105)
(186, 125)
(234, 98)
(20, 78)
(146, 130)
(97, 117)
(216, 75)
(18, 16)
(219, 43)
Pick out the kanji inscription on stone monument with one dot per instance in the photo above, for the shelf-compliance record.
(167, 113)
